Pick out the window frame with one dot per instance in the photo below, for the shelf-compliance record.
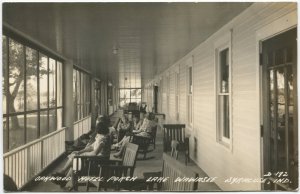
(26, 46)
(190, 92)
(97, 96)
(168, 84)
(83, 108)
(120, 98)
(220, 46)
(177, 96)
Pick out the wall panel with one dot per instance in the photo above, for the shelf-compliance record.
(244, 159)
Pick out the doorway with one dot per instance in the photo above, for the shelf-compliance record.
(155, 100)
(280, 111)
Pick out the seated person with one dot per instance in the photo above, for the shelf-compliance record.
(137, 122)
(101, 148)
(145, 131)
(93, 134)
(146, 128)
(124, 127)
(143, 108)
(86, 139)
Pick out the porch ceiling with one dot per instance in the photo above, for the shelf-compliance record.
(148, 37)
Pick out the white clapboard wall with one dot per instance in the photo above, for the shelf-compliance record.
(243, 159)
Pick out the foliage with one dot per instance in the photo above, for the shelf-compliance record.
(16, 73)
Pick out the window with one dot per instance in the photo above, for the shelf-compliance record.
(177, 86)
(223, 95)
(32, 94)
(190, 96)
(161, 89)
(97, 94)
(168, 94)
(128, 95)
(81, 94)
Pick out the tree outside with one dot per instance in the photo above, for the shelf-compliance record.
(22, 69)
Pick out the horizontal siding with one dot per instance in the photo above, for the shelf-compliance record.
(244, 159)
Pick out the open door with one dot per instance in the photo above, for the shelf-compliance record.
(280, 111)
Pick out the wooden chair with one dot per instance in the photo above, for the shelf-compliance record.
(153, 136)
(172, 169)
(121, 135)
(129, 157)
(144, 144)
(126, 169)
(132, 108)
(109, 173)
(176, 132)
(86, 166)
(90, 165)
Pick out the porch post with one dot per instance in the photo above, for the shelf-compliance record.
(68, 100)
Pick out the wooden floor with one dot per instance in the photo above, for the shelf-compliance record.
(153, 163)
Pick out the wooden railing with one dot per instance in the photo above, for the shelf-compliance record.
(82, 126)
(25, 162)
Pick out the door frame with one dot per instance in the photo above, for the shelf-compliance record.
(279, 26)
(155, 98)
